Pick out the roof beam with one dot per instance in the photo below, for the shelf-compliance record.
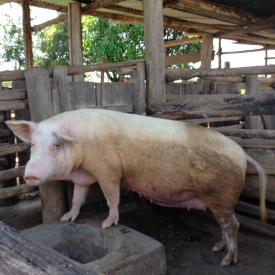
(98, 4)
(219, 10)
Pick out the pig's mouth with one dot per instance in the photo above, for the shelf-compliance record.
(32, 180)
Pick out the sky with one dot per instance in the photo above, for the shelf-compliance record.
(236, 60)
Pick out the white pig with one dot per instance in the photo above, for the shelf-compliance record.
(170, 163)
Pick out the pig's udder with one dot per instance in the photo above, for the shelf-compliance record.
(166, 197)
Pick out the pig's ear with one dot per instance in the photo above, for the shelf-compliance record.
(64, 135)
(22, 129)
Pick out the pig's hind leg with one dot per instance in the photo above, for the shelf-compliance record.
(230, 227)
(79, 197)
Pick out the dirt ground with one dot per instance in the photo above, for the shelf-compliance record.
(187, 237)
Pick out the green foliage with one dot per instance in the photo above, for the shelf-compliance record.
(52, 46)
(12, 43)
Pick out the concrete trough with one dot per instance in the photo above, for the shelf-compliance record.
(118, 250)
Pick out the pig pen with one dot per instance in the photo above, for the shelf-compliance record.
(187, 236)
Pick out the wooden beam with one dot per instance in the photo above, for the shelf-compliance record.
(20, 255)
(182, 58)
(14, 148)
(201, 106)
(255, 27)
(98, 4)
(27, 33)
(184, 41)
(188, 74)
(220, 10)
(208, 14)
(56, 20)
(10, 192)
(75, 38)
(253, 38)
(154, 51)
(41, 107)
(48, 6)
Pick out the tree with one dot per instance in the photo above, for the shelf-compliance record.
(52, 46)
(117, 42)
(12, 43)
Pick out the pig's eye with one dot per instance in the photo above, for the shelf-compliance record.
(32, 145)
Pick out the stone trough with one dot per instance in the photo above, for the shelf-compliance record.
(113, 251)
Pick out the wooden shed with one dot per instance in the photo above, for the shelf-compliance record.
(214, 100)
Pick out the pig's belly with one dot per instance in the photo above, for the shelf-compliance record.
(165, 196)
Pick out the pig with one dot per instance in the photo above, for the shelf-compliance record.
(170, 163)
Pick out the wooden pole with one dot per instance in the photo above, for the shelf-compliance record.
(220, 53)
(154, 51)
(104, 60)
(206, 57)
(41, 107)
(75, 38)
(27, 33)
(251, 88)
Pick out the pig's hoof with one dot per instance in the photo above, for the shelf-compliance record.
(69, 216)
(109, 222)
(228, 259)
(220, 246)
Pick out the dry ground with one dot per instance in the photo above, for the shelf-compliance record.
(187, 237)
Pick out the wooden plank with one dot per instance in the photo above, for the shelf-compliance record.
(97, 4)
(251, 188)
(256, 226)
(193, 89)
(117, 93)
(266, 157)
(83, 94)
(174, 89)
(41, 107)
(13, 94)
(48, 23)
(10, 192)
(154, 51)
(12, 173)
(183, 41)
(215, 119)
(14, 105)
(206, 57)
(125, 108)
(39, 93)
(27, 33)
(251, 88)
(138, 88)
(19, 75)
(14, 148)
(225, 88)
(214, 105)
(75, 38)
(20, 255)
(254, 209)
(255, 143)
(188, 74)
(182, 58)
(5, 133)
(60, 78)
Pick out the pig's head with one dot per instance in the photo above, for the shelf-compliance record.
(51, 147)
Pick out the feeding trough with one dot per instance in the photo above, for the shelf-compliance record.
(113, 251)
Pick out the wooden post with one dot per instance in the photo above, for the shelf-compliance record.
(138, 78)
(154, 51)
(27, 33)
(75, 37)
(104, 60)
(220, 53)
(41, 107)
(251, 88)
(206, 57)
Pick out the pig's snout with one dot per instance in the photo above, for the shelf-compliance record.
(32, 180)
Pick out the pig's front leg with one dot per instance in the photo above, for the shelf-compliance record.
(79, 197)
(111, 192)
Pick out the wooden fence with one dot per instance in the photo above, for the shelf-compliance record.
(248, 119)
(48, 92)
(39, 93)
